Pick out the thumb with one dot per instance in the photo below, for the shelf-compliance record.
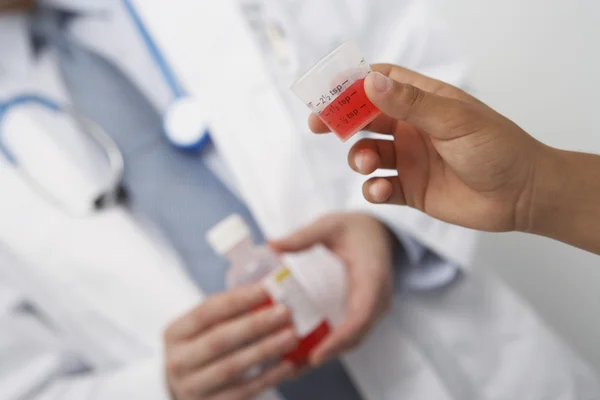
(320, 232)
(437, 115)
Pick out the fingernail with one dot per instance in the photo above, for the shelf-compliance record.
(359, 160)
(382, 83)
(375, 193)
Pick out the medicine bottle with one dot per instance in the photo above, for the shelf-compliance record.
(249, 263)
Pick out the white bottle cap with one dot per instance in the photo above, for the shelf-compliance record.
(227, 233)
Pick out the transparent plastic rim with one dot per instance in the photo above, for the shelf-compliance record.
(320, 63)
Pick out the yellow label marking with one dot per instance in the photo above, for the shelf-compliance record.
(281, 275)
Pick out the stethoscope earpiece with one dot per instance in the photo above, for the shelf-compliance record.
(112, 193)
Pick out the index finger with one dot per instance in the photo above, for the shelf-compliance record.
(216, 309)
(316, 125)
(360, 313)
(322, 231)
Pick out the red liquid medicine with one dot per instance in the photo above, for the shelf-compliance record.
(299, 356)
(350, 111)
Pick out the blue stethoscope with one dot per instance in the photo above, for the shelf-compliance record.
(184, 123)
(111, 194)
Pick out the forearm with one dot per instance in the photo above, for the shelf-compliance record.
(565, 202)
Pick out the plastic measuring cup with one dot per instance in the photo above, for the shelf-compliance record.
(334, 90)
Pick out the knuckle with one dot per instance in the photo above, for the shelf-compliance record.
(324, 220)
(238, 298)
(462, 120)
(366, 143)
(466, 122)
(328, 222)
(169, 335)
(184, 390)
(256, 321)
(174, 365)
(411, 96)
(416, 96)
(189, 390)
(217, 343)
(264, 351)
(202, 314)
(255, 387)
(230, 370)
(254, 355)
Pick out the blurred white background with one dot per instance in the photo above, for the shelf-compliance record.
(538, 61)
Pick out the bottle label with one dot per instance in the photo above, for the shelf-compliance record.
(284, 288)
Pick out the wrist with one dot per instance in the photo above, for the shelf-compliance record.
(564, 197)
(534, 207)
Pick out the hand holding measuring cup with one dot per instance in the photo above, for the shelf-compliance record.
(456, 158)
(460, 161)
(333, 89)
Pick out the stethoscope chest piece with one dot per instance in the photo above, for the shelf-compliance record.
(185, 124)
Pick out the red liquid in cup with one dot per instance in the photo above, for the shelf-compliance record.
(299, 356)
(350, 112)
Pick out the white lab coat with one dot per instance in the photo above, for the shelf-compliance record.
(104, 288)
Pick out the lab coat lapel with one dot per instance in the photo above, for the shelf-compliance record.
(102, 270)
(212, 51)
(17, 55)
(125, 289)
(113, 273)
(91, 6)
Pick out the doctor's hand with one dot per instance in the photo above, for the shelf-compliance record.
(457, 159)
(366, 247)
(210, 350)
(460, 161)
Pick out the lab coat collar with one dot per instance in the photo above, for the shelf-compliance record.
(16, 45)
(80, 6)
(68, 10)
